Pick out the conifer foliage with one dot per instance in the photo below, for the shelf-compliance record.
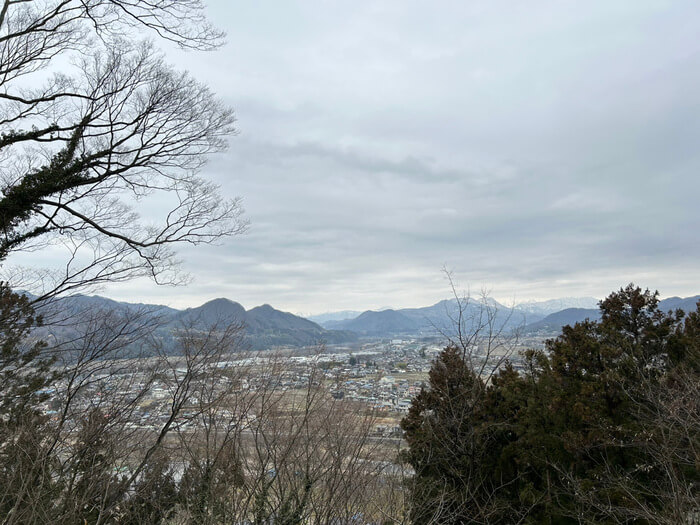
(603, 426)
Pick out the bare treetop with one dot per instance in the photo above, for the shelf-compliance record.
(58, 23)
(100, 135)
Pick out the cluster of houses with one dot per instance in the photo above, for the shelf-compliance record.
(384, 375)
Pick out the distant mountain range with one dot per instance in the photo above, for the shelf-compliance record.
(551, 306)
(437, 319)
(267, 327)
(570, 316)
(334, 316)
(440, 318)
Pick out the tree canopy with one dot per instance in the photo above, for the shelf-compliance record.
(603, 426)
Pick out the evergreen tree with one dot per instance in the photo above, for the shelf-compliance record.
(602, 426)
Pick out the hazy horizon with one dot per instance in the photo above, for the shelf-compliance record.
(507, 303)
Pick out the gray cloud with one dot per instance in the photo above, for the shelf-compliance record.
(540, 149)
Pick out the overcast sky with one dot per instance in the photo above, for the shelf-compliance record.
(538, 149)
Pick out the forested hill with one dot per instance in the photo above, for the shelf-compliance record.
(264, 326)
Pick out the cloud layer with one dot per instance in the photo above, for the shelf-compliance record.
(539, 149)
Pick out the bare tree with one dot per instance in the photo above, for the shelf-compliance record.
(266, 449)
(93, 122)
(486, 334)
(115, 400)
(142, 426)
(448, 430)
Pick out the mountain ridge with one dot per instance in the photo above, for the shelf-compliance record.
(264, 326)
(440, 317)
(570, 316)
(268, 327)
